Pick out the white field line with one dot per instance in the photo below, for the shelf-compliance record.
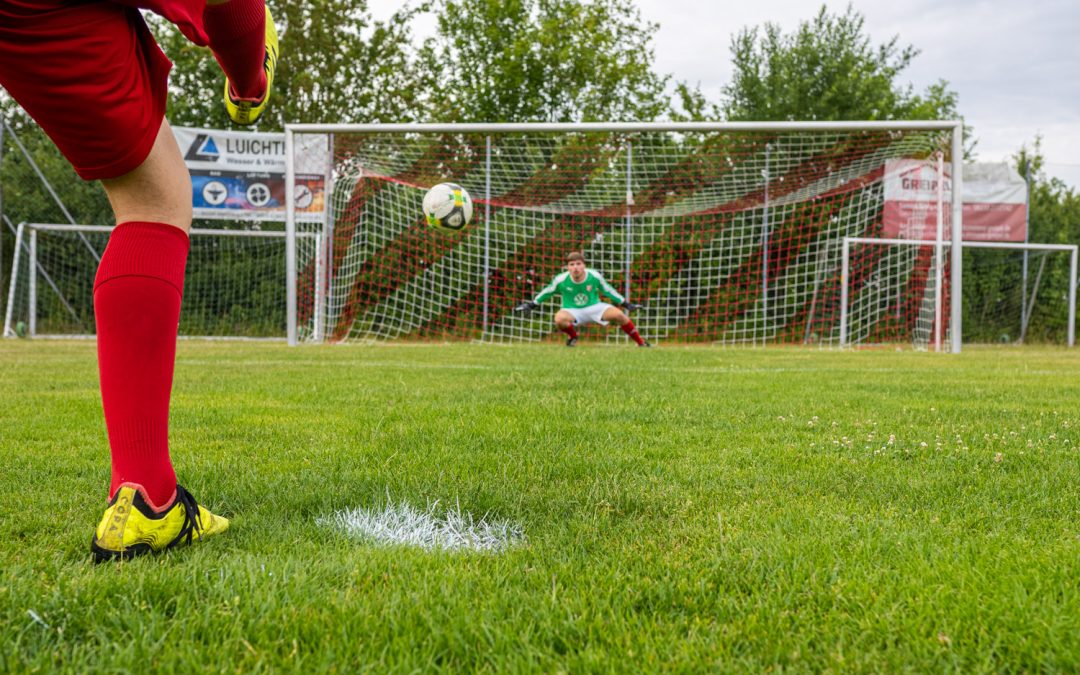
(401, 524)
(718, 370)
(405, 365)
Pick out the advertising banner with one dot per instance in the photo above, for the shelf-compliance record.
(238, 175)
(995, 201)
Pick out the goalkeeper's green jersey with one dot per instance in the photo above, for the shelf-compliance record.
(576, 295)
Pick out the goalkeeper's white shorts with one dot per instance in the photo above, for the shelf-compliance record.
(590, 314)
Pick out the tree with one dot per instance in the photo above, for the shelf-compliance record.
(337, 65)
(542, 61)
(26, 197)
(1055, 207)
(519, 60)
(827, 69)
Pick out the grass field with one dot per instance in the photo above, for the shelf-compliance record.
(684, 509)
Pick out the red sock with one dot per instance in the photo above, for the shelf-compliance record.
(137, 308)
(630, 329)
(570, 330)
(237, 32)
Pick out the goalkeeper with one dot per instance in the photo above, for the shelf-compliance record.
(580, 288)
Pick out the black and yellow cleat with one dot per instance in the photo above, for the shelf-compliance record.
(131, 527)
(244, 111)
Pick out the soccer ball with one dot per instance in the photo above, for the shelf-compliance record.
(447, 206)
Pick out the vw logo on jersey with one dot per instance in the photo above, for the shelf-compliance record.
(581, 299)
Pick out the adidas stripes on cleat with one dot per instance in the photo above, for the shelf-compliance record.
(245, 111)
(131, 526)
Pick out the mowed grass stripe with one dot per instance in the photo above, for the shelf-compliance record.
(685, 509)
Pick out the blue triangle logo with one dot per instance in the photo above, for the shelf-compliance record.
(203, 149)
(209, 148)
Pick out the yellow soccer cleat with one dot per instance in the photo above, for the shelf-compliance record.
(131, 527)
(245, 111)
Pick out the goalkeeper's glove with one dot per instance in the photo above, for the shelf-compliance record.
(630, 307)
(526, 306)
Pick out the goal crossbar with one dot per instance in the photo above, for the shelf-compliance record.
(617, 127)
(195, 231)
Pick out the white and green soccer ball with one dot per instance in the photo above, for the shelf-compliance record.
(447, 207)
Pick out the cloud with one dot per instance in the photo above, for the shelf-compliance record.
(1013, 64)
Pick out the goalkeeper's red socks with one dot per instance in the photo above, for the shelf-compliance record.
(237, 32)
(630, 329)
(571, 331)
(137, 295)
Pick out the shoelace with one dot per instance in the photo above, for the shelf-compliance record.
(192, 522)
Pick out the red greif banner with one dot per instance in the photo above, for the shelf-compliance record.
(995, 201)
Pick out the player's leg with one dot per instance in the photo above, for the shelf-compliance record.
(95, 81)
(158, 190)
(564, 321)
(137, 295)
(616, 316)
(237, 30)
(243, 39)
(242, 35)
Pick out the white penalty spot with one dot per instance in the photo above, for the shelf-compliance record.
(430, 529)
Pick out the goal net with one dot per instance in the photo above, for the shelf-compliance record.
(894, 292)
(726, 234)
(897, 292)
(234, 284)
(1019, 294)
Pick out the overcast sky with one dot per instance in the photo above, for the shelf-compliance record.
(1014, 63)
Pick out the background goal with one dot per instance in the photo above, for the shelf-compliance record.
(234, 285)
(896, 291)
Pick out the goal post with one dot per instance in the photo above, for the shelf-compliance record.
(877, 283)
(728, 233)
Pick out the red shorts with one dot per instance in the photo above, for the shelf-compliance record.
(91, 74)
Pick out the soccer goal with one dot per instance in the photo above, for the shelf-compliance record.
(726, 233)
(1020, 294)
(897, 291)
(234, 285)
